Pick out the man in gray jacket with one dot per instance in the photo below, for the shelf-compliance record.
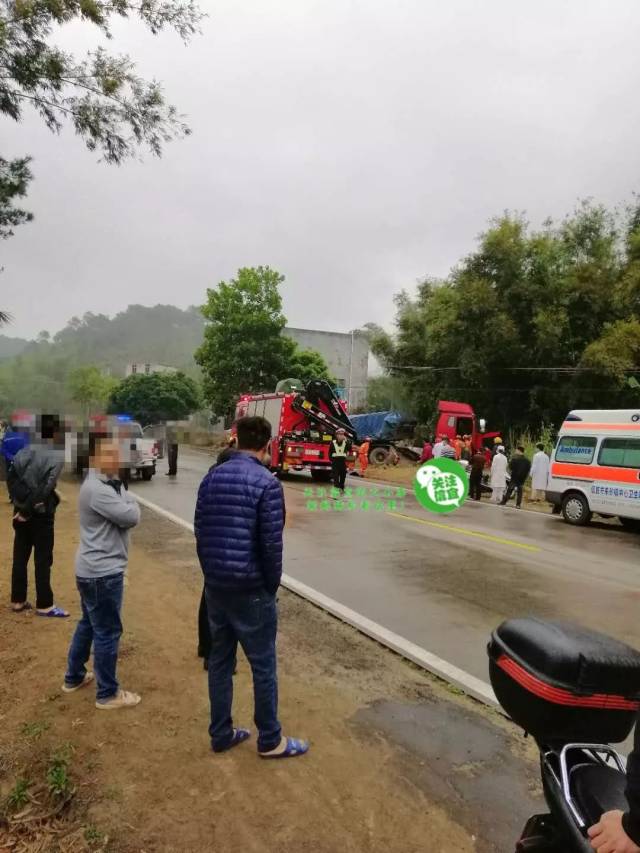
(107, 512)
(31, 480)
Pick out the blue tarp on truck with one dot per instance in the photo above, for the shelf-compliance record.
(380, 425)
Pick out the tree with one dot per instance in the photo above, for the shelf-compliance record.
(528, 325)
(113, 109)
(89, 387)
(387, 393)
(244, 348)
(307, 364)
(155, 397)
(5, 317)
(14, 179)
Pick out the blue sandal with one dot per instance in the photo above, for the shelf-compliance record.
(239, 736)
(54, 613)
(293, 748)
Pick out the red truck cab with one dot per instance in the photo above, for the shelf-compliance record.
(459, 419)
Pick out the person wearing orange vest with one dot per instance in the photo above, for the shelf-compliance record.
(363, 455)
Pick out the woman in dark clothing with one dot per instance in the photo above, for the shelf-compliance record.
(204, 635)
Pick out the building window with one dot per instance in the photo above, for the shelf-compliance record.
(134, 368)
(147, 369)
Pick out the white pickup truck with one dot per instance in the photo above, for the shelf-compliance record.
(141, 456)
(144, 452)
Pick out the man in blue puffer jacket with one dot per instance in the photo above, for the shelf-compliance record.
(239, 522)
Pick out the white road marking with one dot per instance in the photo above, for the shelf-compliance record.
(427, 660)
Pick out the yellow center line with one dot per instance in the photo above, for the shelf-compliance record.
(486, 536)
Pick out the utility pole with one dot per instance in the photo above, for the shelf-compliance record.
(350, 373)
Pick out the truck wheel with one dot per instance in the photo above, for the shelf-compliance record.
(147, 473)
(630, 523)
(320, 476)
(575, 509)
(378, 456)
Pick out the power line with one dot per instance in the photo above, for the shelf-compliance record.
(568, 370)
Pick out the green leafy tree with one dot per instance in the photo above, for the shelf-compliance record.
(89, 387)
(307, 364)
(155, 397)
(244, 348)
(100, 95)
(14, 179)
(525, 327)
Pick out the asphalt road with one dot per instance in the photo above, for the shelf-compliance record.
(444, 582)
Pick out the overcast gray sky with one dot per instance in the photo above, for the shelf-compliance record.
(355, 145)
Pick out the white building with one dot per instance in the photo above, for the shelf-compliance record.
(346, 355)
(146, 369)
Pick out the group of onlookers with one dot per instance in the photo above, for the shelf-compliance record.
(239, 523)
(506, 477)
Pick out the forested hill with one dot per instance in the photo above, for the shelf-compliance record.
(11, 346)
(162, 334)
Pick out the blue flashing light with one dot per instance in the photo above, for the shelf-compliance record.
(123, 418)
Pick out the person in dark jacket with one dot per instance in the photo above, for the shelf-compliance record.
(31, 480)
(519, 468)
(204, 634)
(477, 464)
(238, 525)
(617, 831)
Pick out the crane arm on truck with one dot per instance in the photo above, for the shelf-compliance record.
(327, 422)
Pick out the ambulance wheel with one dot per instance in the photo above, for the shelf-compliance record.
(632, 524)
(321, 476)
(147, 474)
(378, 455)
(575, 509)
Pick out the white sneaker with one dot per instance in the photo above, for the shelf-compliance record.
(71, 688)
(122, 699)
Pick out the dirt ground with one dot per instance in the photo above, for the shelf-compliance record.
(145, 780)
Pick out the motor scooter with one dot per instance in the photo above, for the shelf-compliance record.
(575, 692)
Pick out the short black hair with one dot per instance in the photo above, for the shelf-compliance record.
(94, 440)
(521, 448)
(49, 426)
(253, 432)
(540, 446)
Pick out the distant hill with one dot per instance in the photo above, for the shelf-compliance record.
(33, 374)
(160, 334)
(11, 346)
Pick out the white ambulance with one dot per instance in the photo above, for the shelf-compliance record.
(595, 466)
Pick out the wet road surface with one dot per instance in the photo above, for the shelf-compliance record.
(444, 582)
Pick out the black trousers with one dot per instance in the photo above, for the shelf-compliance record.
(204, 632)
(172, 456)
(511, 488)
(35, 535)
(475, 485)
(339, 472)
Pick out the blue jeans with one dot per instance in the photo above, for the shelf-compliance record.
(251, 619)
(101, 600)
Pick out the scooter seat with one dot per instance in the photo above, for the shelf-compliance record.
(597, 789)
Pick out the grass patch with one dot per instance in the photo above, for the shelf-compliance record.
(34, 731)
(58, 779)
(19, 795)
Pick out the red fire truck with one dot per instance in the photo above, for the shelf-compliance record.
(303, 425)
